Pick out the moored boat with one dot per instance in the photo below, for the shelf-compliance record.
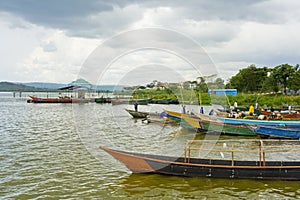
(285, 115)
(103, 100)
(137, 114)
(231, 164)
(164, 101)
(57, 100)
(217, 126)
(280, 132)
(119, 101)
(140, 101)
(177, 118)
(286, 123)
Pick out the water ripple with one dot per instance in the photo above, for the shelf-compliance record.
(48, 152)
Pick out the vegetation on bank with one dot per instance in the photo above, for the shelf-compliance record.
(192, 96)
(267, 86)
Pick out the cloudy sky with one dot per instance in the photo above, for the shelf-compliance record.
(61, 40)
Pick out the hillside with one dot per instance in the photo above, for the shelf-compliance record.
(53, 86)
(40, 86)
(8, 87)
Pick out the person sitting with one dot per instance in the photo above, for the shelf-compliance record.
(211, 112)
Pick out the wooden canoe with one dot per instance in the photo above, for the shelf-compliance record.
(217, 126)
(137, 114)
(293, 115)
(280, 132)
(227, 167)
(57, 100)
(286, 123)
(177, 118)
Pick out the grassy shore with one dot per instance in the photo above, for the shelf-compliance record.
(193, 97)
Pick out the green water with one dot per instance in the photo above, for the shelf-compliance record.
(50, 151)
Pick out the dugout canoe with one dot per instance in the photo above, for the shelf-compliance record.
(231, 166)
(57, 100)
(217, 126)
(285, 123)
(279, 132)
(137, 114)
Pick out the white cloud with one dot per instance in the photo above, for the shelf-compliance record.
(264, 44)
(61, 65)
(38, 45)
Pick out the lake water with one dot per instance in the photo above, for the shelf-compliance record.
(51, 151)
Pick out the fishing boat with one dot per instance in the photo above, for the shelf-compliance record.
(140, 101)
(217, 126)
(119, 101)
(103, 100)
(280, 132)
(251, 159)
(285, 114)
(286, 123)
(177, 118)
(57, 100)
(137, 114)
(165, 101)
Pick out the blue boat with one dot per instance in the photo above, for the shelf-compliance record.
(282, 132)
(283, 123)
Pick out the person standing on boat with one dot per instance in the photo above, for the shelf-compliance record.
(251, 110)
(256, 105)
(201, 110)
(290, 109)
(235, 105)
(136, 106)
(182, 109)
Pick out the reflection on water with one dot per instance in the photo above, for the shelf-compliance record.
(51, 151)
(141, 185)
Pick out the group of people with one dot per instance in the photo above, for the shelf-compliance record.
(183, 110)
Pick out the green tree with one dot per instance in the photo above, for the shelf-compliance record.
(202, 84)
(249, 79)
(294, 80)
(217, 84)
(281, 74)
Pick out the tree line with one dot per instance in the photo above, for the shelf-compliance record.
(253, 79)
(260, 80)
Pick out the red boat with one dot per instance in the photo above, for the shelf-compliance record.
(56, 100)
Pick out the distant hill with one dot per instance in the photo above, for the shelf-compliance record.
(53, 86)
(108, 87)
(40, 86)
(8, 87)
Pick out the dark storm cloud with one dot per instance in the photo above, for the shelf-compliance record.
(102, 18)
(55, 13)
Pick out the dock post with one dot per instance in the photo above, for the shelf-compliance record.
(232, 155)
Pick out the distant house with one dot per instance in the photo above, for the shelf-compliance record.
(221, 92)
(161, 86)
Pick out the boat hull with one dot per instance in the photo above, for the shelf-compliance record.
(285, 123)
(215, 126)
(145, 163)
(178, 118)
(291, 133)
(137, 114)
(57, 100)
(292, 116)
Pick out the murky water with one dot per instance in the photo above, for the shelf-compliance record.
(51, 151)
